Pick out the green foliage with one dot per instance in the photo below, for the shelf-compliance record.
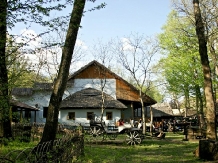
(34, 11)
(156, 95)
(181, 67)
(154, 92)
(19, 67)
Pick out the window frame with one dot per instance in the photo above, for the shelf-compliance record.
(109, 114)
(69, 116)
(138, 112)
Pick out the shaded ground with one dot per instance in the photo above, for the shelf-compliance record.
(169, 150)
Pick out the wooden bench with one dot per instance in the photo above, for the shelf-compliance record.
(195, 132)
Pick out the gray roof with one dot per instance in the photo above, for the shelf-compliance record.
(190, 112)
(161, 110)
(22, 91)
(43, 86)
(164, 109)
(22, 105)
(36, 87)
(30, 91)
(90, 98)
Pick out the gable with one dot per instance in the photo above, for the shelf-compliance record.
(124, 90)
(93, 70)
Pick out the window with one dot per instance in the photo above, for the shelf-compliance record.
(45, 112)
(138, 112)
(108, 115)
(71, 116)
(89, 115)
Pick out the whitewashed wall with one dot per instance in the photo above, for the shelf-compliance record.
(79, 84)
(41, 98)
(81, 115)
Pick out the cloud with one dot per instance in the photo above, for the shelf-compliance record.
(80, 43)
(30, 38)
(46, 59)
(126, 44)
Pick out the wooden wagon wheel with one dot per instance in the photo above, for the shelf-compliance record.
(133, 138)
(96, 134)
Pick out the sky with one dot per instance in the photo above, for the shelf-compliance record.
(118, 19)
(122, 17)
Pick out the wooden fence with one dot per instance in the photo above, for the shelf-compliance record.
(64, 150)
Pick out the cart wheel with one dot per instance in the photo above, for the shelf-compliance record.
(133, 138)
(95, 134)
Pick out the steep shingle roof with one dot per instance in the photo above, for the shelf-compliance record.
(90, 98)
(164, 109)
(161, 110)
(22, 91)
(22, 105)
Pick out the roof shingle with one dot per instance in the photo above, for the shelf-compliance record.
(90, 98)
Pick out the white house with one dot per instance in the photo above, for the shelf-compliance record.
(83, 96)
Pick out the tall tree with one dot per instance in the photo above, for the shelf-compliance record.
(135, 55)
(62, 78)
(179, 42)
(103, 53)
(209, 13)
(208, 90)
(4, 98)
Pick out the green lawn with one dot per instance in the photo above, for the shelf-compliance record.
(15, 145)
(169, 150)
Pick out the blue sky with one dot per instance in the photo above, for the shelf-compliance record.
(118, 19)
(123, 17)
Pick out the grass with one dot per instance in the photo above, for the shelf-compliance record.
(169, 150)
(15, 145)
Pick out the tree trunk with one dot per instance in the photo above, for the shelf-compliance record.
(143, 118)
(51, 125)
(201, 107)
(208, 150)
(152, 120)
(102, 104)
(4, 97)
(144, 113)
(103, 83)
(208, 90)
(186, 105)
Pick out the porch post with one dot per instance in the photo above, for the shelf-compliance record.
(132, 109)
(21, 116)
(35, 116)
(151, 122)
